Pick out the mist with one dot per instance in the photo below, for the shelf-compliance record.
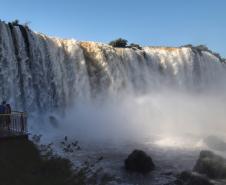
(164, 118)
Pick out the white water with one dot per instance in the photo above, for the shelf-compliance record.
(40, 73)
(100, 94)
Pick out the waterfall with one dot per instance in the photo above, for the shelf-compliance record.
(41, 73)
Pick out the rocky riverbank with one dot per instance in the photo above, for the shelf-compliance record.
(25, 163)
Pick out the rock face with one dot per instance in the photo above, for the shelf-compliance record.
(192, 178)
(139, 161)
(212, 165)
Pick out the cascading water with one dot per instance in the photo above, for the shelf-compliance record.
(43, 73)
(39, 73)
(104, 91)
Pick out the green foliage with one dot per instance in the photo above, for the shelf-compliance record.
(187, 46)
(200, 48)
(122, 43)
(16, 22)
(136, 46)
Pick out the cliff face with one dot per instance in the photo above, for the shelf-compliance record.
(38, 72)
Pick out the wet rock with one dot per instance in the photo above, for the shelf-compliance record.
(62, 143)
(65, 138)
(107, 178)
(192, 178)
(36, 138)
(215, 143)
(53, 121)
(212, 165)
(169, 173)
(75, 143)
(139, 161)
(100, 158)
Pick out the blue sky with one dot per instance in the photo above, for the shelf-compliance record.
(147, 22)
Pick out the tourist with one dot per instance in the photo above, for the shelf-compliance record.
(2, 111)
(2, 107)
(8, 115)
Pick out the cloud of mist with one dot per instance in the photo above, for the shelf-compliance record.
(137, 118)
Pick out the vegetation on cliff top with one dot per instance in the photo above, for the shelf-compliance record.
(16, 22)
(119, 43)
(200, 48)
(123, 43)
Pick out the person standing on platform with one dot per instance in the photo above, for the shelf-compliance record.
(8, 115)
(2, 112)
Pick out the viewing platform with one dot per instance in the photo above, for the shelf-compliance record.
(13, 126)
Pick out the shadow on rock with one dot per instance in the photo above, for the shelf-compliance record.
(138, 161)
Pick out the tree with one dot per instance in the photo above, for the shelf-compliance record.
(119, 43)
(202, 48)
(137, 46)
(187, 46)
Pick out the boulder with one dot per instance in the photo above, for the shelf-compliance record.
(210, 164)
(139, 161)
(192, 178)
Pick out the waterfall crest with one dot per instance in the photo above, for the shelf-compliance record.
(39, 73)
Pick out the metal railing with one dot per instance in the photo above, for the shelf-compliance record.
(16, 122)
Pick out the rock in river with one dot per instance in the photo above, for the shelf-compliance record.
(139, 161)
(212, 165)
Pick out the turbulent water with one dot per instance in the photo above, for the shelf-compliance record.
(108, 93)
